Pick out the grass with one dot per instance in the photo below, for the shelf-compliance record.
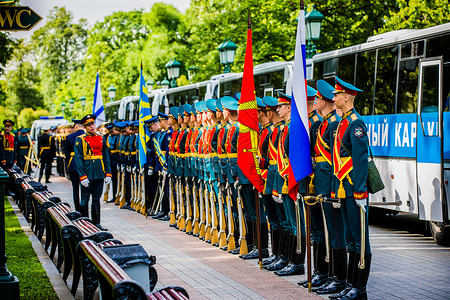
(23, 262)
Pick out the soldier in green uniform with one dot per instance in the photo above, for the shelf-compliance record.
(350, 167)
(7, 157)
(22, 146)
(92, 161)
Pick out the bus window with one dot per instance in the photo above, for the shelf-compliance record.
(330, 67)
(407, 86)
(318, 70)
(386, 81)
(346, 67)
(365, 73)
(430, 89)
(439, 46)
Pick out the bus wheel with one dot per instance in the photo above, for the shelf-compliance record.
(440, 233)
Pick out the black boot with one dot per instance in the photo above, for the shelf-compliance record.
(321, 267)
(339, 272)
(47, 180)
(275, 240)
(296, 262)
(361, 276)
(95, 212)
(352, 264)
(283, 261)
(84, 211)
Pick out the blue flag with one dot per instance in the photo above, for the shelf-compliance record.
(144, 114)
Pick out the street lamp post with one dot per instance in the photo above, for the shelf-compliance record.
(227, 50)
(83, 102)
(71, 105)
(173, 71)
(165, 83)
(111, 93)
(313, 23)
(63, 108)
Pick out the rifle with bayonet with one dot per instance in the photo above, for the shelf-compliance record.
(196, 225)
(242, 225)
(222, 219)
(214, 219)
(230, 238)
(124, 189)
(188, 207)
(202, 214)
(119, 184)
(182, 218)
(161, 194)
(207, 236)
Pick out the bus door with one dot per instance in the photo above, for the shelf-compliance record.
(429, 140)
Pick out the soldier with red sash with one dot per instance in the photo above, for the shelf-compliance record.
(274, 209)
(92, 161)
(266, 128)
(323, 173)
(350, 167)
(171, 164)
(296, 260)
(7, 157)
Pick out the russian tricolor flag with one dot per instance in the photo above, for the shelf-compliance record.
(299, 144)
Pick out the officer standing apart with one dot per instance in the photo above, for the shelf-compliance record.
(46, 152)
(69, 150)
(92, 161)
(350, 167)
(7, 146)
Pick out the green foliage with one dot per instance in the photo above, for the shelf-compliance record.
(417, 14)
(60, 45)
(23, 262)
(28, 115)
(6, 50)
(7, 113)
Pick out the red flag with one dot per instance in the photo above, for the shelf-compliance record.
(248, 119)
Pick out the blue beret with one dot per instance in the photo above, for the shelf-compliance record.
(163, 116)
(270, 102)
(283, 98)
(324, 90)
(187, 109)
(311, 92)
(230, 103)
(152, 120)
(198, 107)
(134, 124)
(219, 105)
(345, 87)
(120, 125)
(211, 105)
(180, 111)
(260, 103)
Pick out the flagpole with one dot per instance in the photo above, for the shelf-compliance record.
(257, 202)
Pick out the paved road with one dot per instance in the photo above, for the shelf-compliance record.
(406, 264)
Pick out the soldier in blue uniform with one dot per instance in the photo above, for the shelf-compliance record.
(7, 157)
(263, 147)
(151, 178)
(350, 167)
(46, 153)
(69, 150)
(92, 162)
(296, 260)
(22, 146)
(112, 143)
(274, 210)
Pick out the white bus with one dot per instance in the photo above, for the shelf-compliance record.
(405, 78)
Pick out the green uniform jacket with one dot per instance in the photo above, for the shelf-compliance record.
(91, 157)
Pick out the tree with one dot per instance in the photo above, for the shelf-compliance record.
(417, 14)
(60, 46)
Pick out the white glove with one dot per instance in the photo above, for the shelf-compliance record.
(150, 172)
(118, 168)
(122, 169)
(133, 170)
(362, 203)
(107, 180)
(336, 205)
(236, 184)
(85, 182)
(277, 199)
(164, 172)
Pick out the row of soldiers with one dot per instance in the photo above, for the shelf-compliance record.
(191, 178)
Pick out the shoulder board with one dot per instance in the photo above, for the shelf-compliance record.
(333, 118)
(272, 127)
(315, 118)
(282, 127)
(353, 117)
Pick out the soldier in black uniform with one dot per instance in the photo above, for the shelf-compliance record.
(92, 161)
(69, 151)
(46, 153)
(7, 157)
(22, 147)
